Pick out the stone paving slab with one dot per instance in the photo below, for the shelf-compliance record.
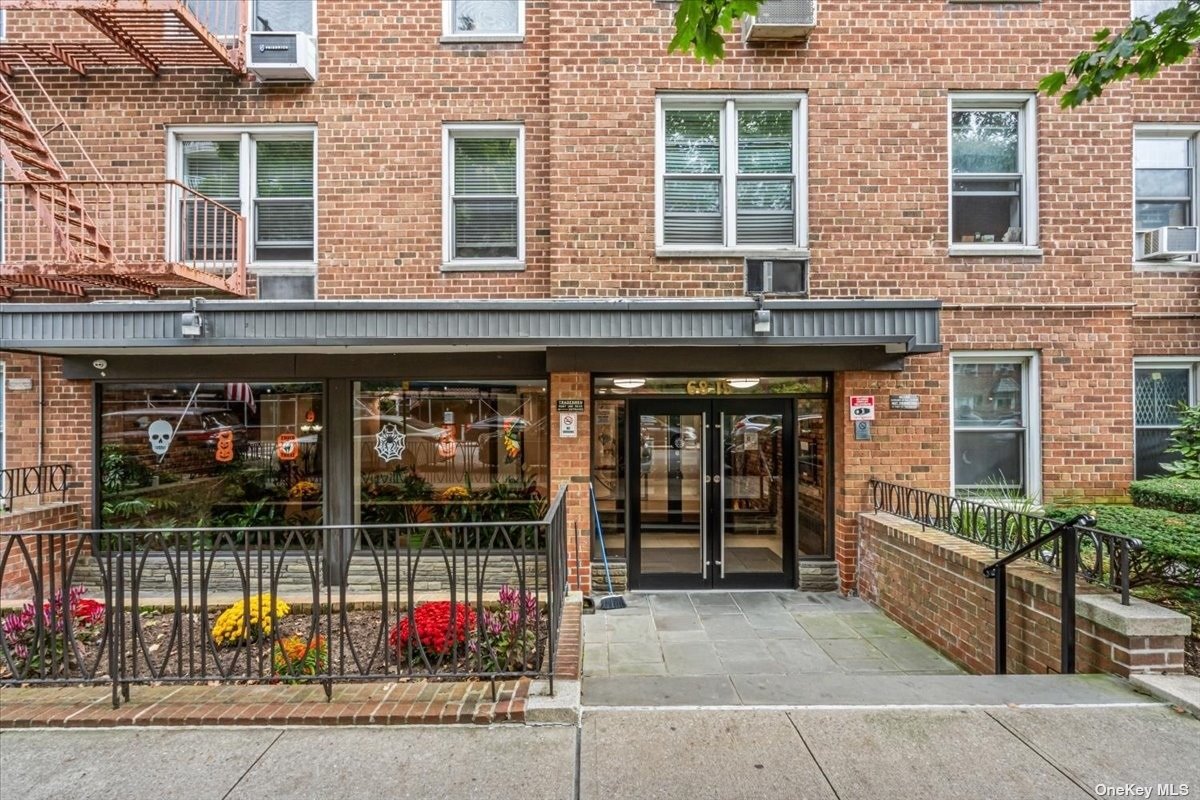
(950, 753)
(1180, 690)
(718, 755)
(1113, 746)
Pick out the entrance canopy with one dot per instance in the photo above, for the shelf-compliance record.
(572, 333)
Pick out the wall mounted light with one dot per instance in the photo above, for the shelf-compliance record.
(191, 324)
(762, 318)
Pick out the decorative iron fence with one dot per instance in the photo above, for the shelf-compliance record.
(445, 601)
(35, 481)
(1101, 557)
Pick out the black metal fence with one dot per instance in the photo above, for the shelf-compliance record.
(42, 479)
(1098, 556)
(320, 604)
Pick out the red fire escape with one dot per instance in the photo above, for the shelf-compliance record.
(69, 235)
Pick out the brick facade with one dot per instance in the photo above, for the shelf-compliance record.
(583, 83)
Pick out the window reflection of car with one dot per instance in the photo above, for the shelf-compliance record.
(530, 436)
(131, 428)
(660, 434)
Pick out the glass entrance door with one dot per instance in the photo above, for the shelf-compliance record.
(711, 502)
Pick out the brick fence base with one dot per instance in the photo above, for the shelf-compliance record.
(933, 584)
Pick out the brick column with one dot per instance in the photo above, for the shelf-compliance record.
(570, 464)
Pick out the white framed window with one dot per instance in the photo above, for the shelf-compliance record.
(483, 20)
(483, 196)
(993, 174)
(1166, 184)
(731, 174)
(267, 174)
(1149, 9)
(995, 408)
(282, 16)
(1159, 386)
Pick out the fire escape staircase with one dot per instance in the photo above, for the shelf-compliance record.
(70, 236)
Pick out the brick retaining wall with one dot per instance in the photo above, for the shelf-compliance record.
(18, 581)
(932, 584)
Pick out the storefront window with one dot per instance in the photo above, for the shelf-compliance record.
(608, 473)
(450, 452)
(712, 387)
(211, 455)
(812, 463)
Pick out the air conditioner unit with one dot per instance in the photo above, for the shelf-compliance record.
(777, 276)
(780, 20)
(283, 56)
(1166, 244)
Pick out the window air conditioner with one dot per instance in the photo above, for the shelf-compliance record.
(780, 19)
(1166, 244)
(283, 56)
(777, 276)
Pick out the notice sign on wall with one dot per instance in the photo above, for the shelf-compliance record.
(568, 426)
(862, 407)
(569, 406)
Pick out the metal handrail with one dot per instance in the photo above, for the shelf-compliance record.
(998, 572)
(34, 481)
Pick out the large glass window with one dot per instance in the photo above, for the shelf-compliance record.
(995, 435)
(451, 452)
(210, 454)
(284, 16)
(730, 172)
(483, 19)
(1149, 9)
(1158, 390)
(484, 196)
(992, 171)
(1165, 187)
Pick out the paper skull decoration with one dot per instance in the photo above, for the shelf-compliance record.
(160, 436)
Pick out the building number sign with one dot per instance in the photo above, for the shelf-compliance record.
(709, 387)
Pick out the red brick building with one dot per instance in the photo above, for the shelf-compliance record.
(516, 244)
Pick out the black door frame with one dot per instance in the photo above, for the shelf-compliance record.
(710, 411)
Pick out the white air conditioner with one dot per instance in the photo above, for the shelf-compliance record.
(780, 276)
(1166, 244)
(780, 20)
(283, 56)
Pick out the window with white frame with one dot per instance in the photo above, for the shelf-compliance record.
(993, 171)
(1159, 387)
(1166, 187)
(730, 173)
(994, 406)
(483, 208)
(1149, 9)
(269, 175)
(222, 17)
(474, 20)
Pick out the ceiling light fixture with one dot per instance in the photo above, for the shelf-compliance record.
(629, 383)
(744, 383)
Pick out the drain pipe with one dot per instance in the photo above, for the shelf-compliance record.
(41, 442)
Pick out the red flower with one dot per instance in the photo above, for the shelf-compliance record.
(87, 611)
(437, 628)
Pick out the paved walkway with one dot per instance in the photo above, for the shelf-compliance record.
(755, 647)
(980, 753)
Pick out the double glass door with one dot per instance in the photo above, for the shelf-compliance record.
(712, 502)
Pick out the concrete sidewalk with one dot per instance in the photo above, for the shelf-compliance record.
(847, 753)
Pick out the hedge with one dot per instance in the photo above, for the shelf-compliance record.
(1171, 541)
(1170, 494)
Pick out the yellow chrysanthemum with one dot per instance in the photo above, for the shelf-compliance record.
(232, 626)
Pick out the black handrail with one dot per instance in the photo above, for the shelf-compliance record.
(34, 481)
(998, 572)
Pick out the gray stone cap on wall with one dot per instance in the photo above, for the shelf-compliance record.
(901, 326)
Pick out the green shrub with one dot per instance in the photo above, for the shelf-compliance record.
(1171, 541)
(1185, 440)
(1170, 494)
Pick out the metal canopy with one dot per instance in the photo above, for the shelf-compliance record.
(247, 326)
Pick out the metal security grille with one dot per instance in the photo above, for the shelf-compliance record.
(787, 12)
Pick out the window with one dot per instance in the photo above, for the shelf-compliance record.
(993, 166)
(1158, 389)
(267, 174)
(484, 197)
(731, 174)
(284, 16)
(1165, 183)
(996, 438)
(1149, 9)
(286, 287)
(476, 20)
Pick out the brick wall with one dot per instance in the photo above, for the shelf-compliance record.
(932, 584)
(28, 557)
(570, 464)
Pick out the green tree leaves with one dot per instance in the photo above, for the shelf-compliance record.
(698, 26)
